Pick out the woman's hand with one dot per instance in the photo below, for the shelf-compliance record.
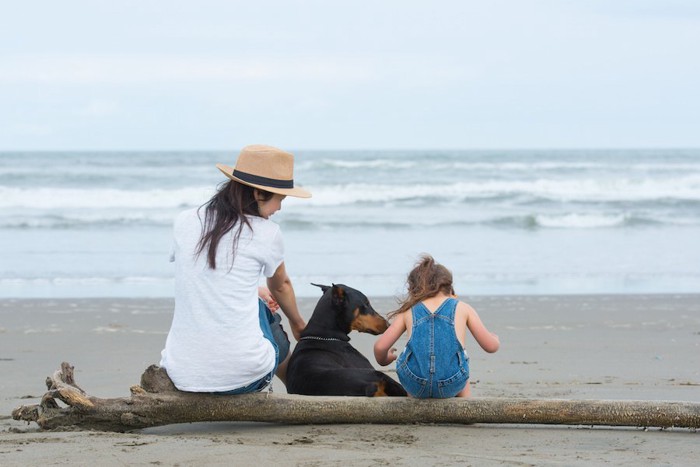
(266, 295)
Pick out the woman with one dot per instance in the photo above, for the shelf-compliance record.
(223, 337)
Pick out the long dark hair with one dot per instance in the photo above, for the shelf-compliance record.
(425, 280)
(227, 209)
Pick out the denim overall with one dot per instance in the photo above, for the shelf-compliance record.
(272, 331)
(433, 364)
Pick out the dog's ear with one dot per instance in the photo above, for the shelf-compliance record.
(324, 288)
(338, 295)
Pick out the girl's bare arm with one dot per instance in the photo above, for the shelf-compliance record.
(486, 339)
(383, 350)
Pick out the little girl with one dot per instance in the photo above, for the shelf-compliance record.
(434, 364)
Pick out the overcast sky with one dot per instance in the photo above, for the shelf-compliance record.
(207, 74)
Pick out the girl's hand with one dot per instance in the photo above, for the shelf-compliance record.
(266, 295)
(391, 355)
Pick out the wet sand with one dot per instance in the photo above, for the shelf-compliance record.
(642, 347)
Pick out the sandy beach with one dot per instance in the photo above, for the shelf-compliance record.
(641, 347)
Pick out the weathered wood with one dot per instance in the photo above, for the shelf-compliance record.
(157, 402)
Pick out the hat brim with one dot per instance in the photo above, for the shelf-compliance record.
(296, 192)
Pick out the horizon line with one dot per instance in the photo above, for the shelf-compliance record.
(368, 149)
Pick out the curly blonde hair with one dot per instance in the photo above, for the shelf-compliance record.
(425, 280)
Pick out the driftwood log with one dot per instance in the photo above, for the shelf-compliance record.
(157, 402)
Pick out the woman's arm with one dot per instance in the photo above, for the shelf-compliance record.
(486, 339)
(383, 350)
(281, 288)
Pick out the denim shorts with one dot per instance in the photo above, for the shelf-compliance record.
(271, 326)
(424, 388)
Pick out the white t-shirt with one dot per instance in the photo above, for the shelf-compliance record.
(215, 342)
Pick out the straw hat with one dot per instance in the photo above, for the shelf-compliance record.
(266, 168)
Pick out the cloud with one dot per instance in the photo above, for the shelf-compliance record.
(30, 129)
(99, 108)
(137, 69)
(349, 73)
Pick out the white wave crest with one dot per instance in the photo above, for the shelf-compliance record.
(581, 221)
(85, 281)
(93, 218)
(682, 188)
(497, 167)
(389, 163)
(591, 190)
(101, 198)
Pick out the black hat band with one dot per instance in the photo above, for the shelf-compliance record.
(265, 181)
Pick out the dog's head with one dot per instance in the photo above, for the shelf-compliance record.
(352, 309)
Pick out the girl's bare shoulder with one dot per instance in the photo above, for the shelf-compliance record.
(399, 317)
(464, 305)
(464, 309)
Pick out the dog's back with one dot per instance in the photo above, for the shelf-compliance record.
(324, 362)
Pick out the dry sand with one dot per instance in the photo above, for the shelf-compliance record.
(574, 347)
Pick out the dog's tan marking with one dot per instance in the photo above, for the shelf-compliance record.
(381, 390)
(373, 324)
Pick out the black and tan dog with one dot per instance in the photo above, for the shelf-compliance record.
(324, 362)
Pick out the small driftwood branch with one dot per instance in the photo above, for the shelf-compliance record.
(157, 402)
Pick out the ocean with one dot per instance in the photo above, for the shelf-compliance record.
(88, 224)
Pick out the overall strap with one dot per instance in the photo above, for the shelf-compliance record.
(447, 308)
(419, 310)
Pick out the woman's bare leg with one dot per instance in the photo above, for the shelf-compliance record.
(282, 369)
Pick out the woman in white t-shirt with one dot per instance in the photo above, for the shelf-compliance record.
(224, 337)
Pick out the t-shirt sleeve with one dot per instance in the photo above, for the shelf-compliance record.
(176, 227)
(275, 255)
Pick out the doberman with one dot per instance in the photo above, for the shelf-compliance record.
(324, 363)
